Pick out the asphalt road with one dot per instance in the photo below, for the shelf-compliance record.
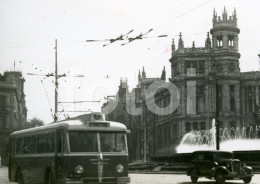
(178, 179)
(150, 179)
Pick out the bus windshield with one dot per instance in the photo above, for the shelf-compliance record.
(112, 142)
(85, 141)
(82, 141)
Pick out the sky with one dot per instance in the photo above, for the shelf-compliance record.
(29, 29)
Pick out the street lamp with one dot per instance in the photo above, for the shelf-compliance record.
(217, 116)
(214, 75)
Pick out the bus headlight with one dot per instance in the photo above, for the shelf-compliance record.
(119, 168)
(79, 169)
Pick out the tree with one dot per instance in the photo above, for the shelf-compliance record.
(34, 122)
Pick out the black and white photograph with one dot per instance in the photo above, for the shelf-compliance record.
(129, 91)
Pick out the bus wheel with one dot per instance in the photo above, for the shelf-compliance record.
(50, 178)
(20, 177)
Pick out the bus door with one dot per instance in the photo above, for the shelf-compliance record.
(59, 157)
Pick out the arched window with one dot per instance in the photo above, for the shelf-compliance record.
(195, 126)
(203, 126)
(219, 41)
(187, 127)
(232, 97)
(230, 40)
(221, 124)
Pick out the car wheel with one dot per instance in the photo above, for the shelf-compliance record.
(247, 179)
(50, 178)
(20, 177)
(194, 175)
(220, 179)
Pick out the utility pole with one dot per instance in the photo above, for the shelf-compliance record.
(145, 141)
(144, 118)
(217, 116)
(56, 83)
(259, 61)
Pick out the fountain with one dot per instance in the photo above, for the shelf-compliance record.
(233, 139)
(243, 142)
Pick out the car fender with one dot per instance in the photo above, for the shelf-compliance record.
(248, 169)
(222, 169)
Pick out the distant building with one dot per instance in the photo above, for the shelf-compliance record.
(115, 107)
(147, 119)
(13, 111)
(194, 71)
(136, 99)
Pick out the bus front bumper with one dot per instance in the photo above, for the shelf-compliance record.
(118, 180)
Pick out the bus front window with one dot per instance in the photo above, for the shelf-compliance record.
(112, 142)
(82, 141)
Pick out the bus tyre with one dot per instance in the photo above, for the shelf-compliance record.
(20, 177)
(50, 179)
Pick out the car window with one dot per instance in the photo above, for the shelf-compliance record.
(223, 155)
(208, 156)
(200, 156)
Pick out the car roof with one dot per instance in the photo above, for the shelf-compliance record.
(211, 151)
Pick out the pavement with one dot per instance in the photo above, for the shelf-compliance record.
(4, 176)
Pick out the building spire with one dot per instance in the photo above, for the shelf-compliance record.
(208, 42)
(143, 74)
(139, 76)
(173, 45)
(224, 14)
(163, 76)
(181, 44)
(214, 20)
(235, 14)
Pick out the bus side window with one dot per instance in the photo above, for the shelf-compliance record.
(19, 145)
(60, 140)
(33, 144)
(50, 142)
(26, 147)
(41, 143)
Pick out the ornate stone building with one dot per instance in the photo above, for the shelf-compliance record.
(195, 71)
(135, 123)
(115, 107)
(13, 111)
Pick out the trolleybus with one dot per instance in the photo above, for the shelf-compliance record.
(86, 149)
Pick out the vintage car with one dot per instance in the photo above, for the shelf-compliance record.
(218, 165)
